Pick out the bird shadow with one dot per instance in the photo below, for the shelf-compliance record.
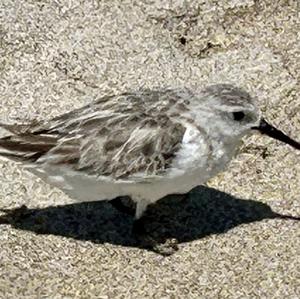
(203, 212)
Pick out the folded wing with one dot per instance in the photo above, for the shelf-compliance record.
(108, 138)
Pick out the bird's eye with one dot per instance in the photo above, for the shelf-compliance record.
(239, 115)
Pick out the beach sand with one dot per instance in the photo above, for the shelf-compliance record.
(233, 240)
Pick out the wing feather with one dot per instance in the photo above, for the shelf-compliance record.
(117, 136)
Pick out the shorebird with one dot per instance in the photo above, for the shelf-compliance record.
(144, 144)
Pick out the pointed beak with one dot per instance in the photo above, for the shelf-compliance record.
(269, 130)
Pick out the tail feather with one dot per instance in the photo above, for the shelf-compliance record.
(40, 148)
(24, 147)
(19, 144)
(21, 149)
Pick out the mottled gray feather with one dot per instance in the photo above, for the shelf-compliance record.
(117, 136)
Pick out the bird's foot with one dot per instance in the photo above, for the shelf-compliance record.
(169, 247)
(147, 241)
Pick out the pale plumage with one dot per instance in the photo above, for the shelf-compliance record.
(144, 144)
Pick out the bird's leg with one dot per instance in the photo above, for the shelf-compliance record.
(145, 240)
(141, 207)
(169, 247)
(138, 225)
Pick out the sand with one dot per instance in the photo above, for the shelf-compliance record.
(234, 241)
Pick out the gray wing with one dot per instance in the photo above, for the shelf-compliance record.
(119, 136)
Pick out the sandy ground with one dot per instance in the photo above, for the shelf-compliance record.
(233, 240)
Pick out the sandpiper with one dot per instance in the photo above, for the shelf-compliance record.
(144, 144)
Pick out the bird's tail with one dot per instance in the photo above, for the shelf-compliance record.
(17, 145)
(23, 148)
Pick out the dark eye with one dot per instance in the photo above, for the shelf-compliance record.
(239, 115)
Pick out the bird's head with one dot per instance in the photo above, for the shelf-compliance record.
(232, 113)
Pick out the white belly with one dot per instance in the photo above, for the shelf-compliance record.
(194, 165)
(82, 187)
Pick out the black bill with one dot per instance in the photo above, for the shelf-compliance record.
(269, 130)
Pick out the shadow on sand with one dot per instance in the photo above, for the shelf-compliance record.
(205, 211)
